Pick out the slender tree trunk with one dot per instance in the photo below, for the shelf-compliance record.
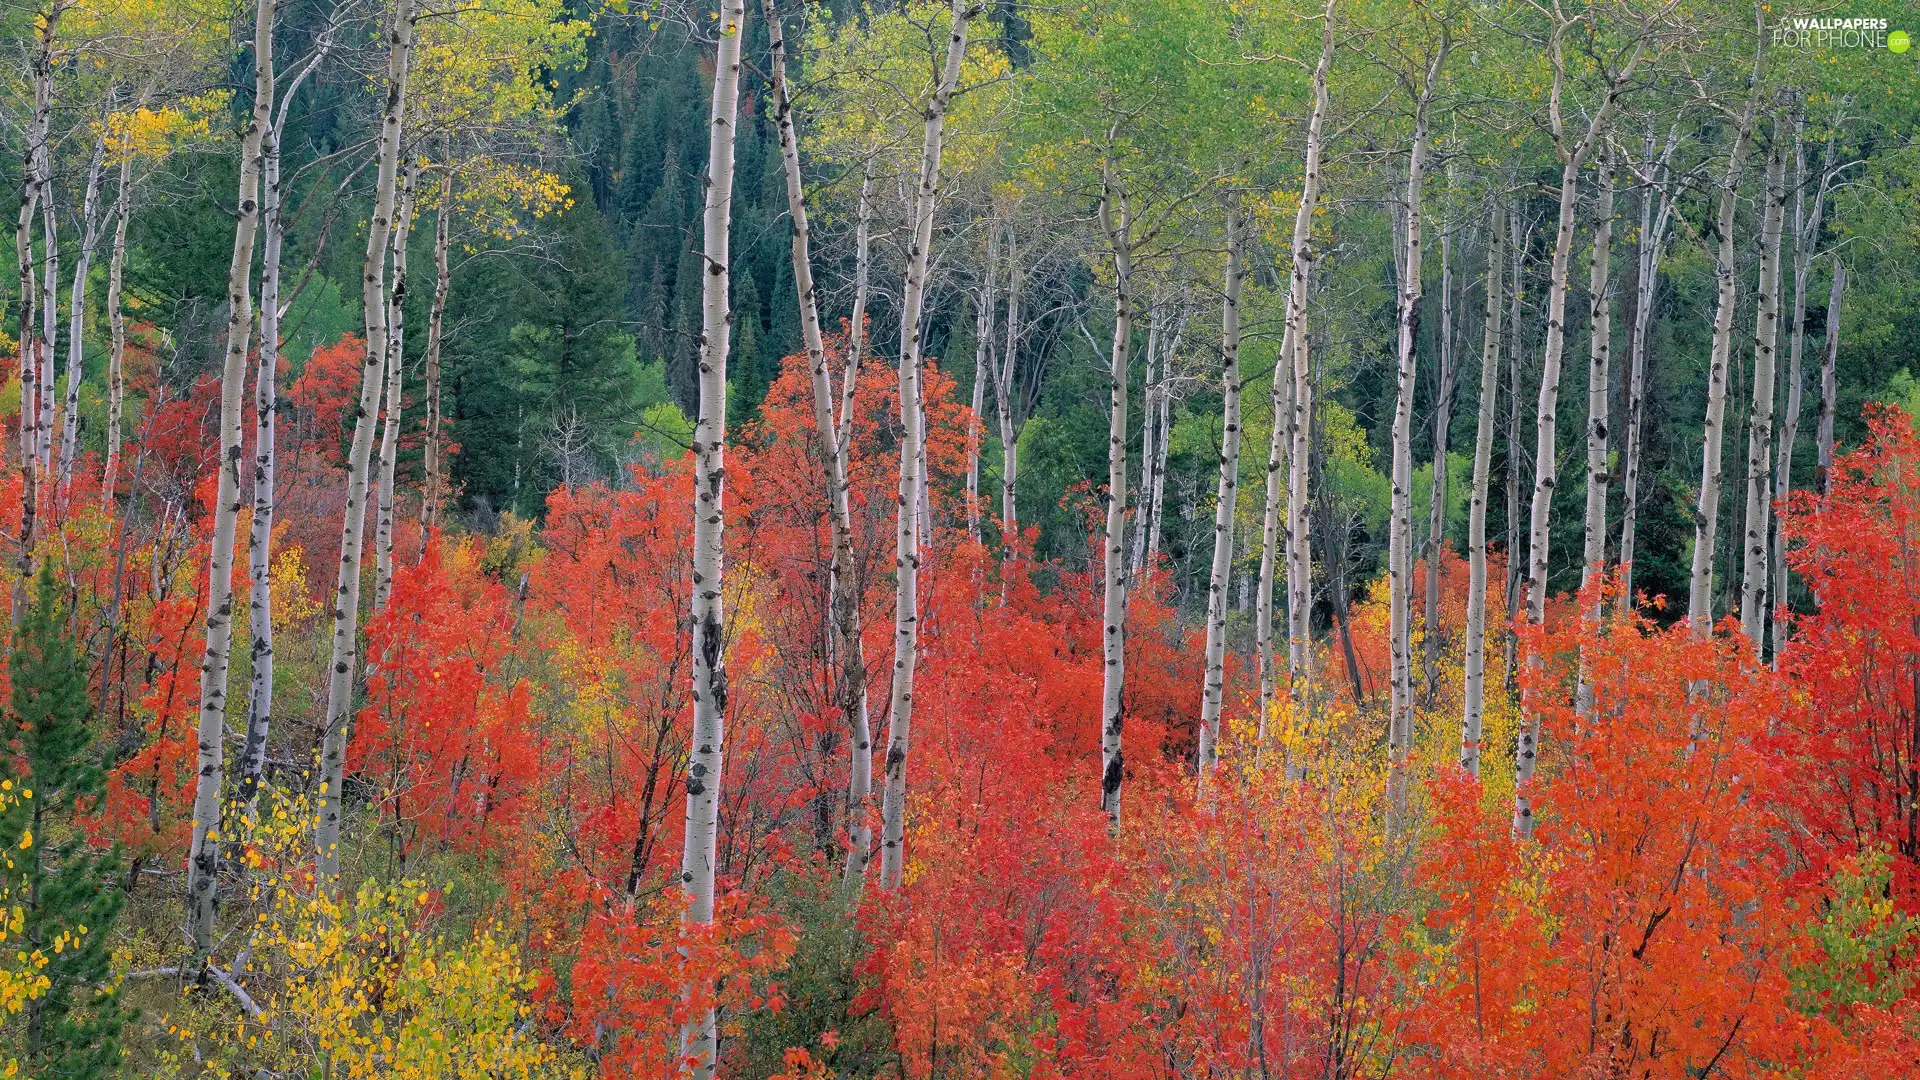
(1754, 591)
(1400, 522)
(435, 487)
(1829, 382)
(1551, 354)
(1437, 491)
(396, 400)
(83, 261)
(1516, 551)
(985, 301)
(705, 765)
(1593, 556)
(35, 177)
(906, 621)
(203, 862)
(1806, 235)
(1294, 367)
(117, 321)
(1474, 674)
(1707, 511)
(1652, 239)
(844, 586)
(1003, 402)
(1162, 441)
(1116, 222)
(346, 597)
(45, 400)
(1226, 498)
(857, 325)
(1137, 548)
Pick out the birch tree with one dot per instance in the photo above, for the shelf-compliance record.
(1753, 583)
(1226, 498)
(705, 761)
(396, 366)
(203, 859)
(1707, 509)
(346, 594)
(1573, 153)
(1829, 380)
(1806, 236)
(1474, 664)
(844, 592)
(1400, 519)
(1652, 236)
(906, 629)
(266, 407)
(1593, 556)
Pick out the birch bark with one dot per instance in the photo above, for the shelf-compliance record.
(117, 322)
(83, 262)
(1754, 590)
(1300, 424)
(1117, 224)
(33, 184)
(1572, 159)
(203, 860)
(395, 396)
(1652, 240)
(1437, 490)
(1400, 521)
(1226, 497)
(1593, 554)
(1474, 673)
(1707, 510)
(1829, 382)
(906, 620)
(1003, 401)
(434, 488)
(1806, 236)
(706, 755)
(346, 596)
(843, 584)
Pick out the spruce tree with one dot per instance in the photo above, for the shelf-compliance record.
(68, 882)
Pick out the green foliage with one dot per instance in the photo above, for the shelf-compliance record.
(1866, 945)
(73, 1031)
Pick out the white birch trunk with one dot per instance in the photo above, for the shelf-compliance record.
(203, 862)
(706, 755)
(1806, 233)
(117, 322)
(1003, 399)
(33, 184)
(434, 488)
(1474, 665)
(985, 301)
(83, 261)
(1400, 520)
(1652, 239)
(843, 584)
(45, 400)
(906, 622)
(383, 538)
(1754, 590)
(1593, 554)
(1116, 223)
(1707, 510)
(346, 596)
(1829, 382)
(1553, 350)
(1143, 511)
(1437, 490)
(1226, 497)
(1299, 533)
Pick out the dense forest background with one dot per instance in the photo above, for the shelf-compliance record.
(469, 618)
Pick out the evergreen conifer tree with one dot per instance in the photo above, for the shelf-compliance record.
(69, 883)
